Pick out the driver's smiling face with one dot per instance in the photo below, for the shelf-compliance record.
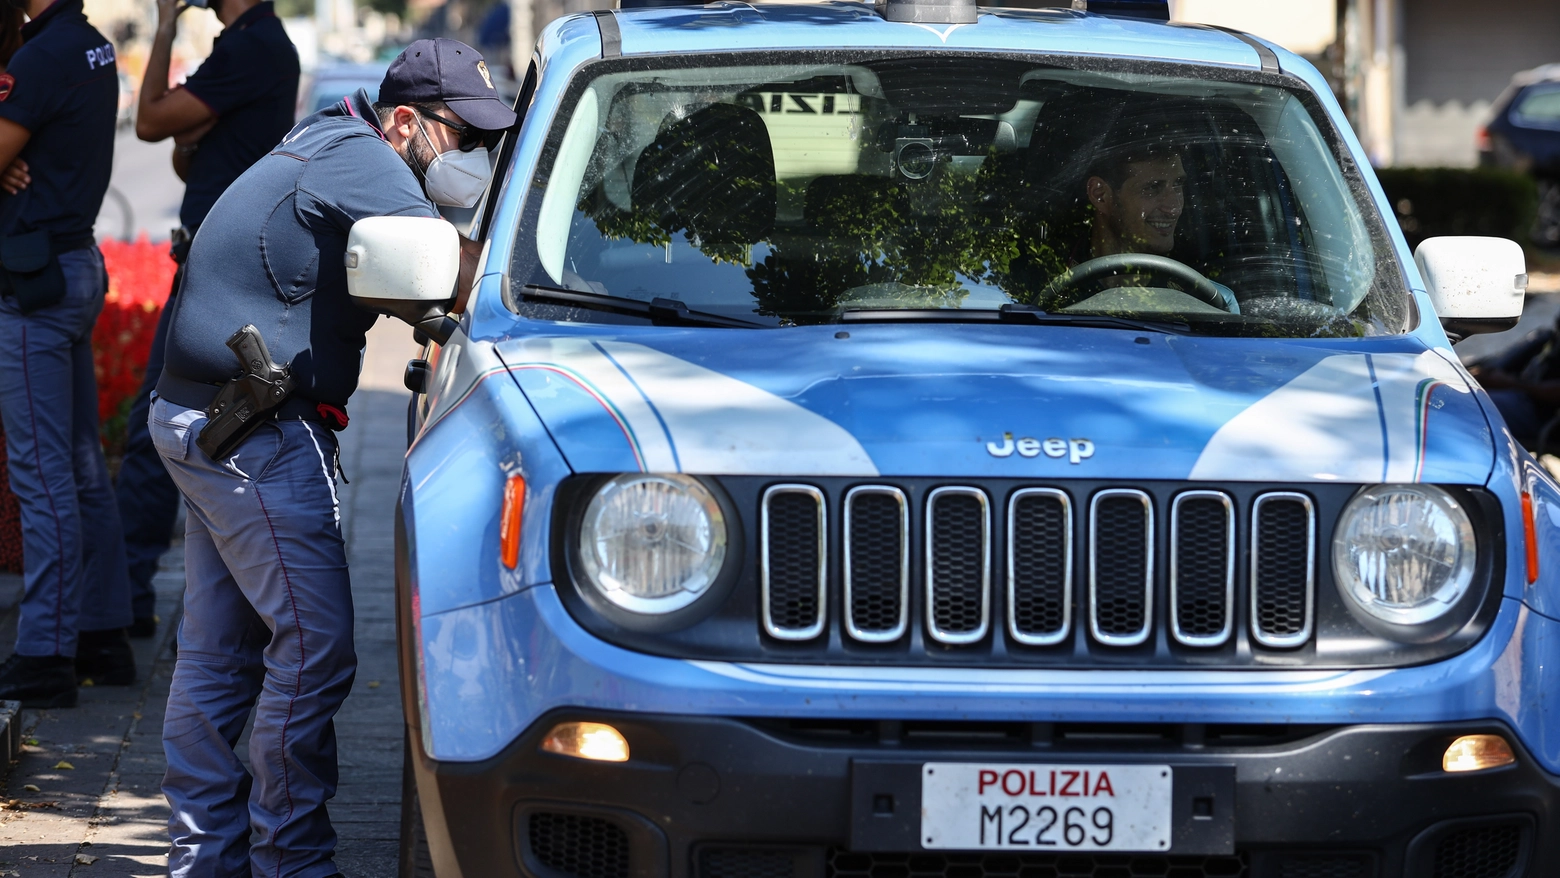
(1142, 214)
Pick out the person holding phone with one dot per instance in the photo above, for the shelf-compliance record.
(228, 114)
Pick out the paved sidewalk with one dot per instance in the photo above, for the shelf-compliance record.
(97, 810)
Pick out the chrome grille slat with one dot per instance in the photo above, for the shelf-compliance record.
(958, 565)
(877, 564)
(1121, 566)
(1202, 568)
(1283, 569)
(793, 562)
(1039, 566)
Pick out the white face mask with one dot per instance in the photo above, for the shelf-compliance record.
(455, 178)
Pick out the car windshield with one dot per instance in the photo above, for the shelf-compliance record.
(944, 186)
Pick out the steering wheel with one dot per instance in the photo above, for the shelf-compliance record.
(1199, 287)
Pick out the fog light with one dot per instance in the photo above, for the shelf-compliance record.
(1476, 753)
(597, 741)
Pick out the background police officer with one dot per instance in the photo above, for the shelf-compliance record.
(225, 116)
(57, 105)
(268, 605)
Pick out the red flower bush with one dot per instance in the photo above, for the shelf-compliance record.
(140, 274)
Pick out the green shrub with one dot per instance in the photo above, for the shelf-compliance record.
(1456, 201)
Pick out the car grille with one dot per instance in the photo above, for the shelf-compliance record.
(958, 565)
(793, 563)
(1039, 567)
(1492, 851)
(1008, 564)
(877, 564)
(578, 846)
(1282, 594)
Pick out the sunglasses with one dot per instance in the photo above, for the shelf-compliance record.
(469, 137)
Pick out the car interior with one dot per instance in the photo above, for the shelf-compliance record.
(890, 185)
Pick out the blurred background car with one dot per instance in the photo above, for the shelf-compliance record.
(332, 82)
(1524, 136)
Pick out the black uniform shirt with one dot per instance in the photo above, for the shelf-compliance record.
(64, 89)
(272, 252)
(250, 83)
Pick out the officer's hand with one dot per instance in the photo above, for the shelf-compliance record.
(15, 178)
(168, 12)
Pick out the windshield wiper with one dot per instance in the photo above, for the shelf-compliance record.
(1010, 313)
(659, 311)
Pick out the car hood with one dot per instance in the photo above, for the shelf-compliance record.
(1004, 401)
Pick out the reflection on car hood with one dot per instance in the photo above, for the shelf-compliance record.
(1008, 401)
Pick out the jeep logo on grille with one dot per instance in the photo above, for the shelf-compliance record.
(1075, 450)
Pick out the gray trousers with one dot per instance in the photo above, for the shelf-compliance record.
(267, 625)
(72, 547)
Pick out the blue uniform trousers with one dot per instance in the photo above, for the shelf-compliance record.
(71, 542)
(148, 501)
(267, 624)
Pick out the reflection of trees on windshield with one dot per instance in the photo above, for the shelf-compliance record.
(799, 198)
(863, 239)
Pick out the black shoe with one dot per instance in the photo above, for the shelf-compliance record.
(104, 658)
(38, 681)
(143, 627)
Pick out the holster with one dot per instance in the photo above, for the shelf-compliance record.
(32, 270)
(248, 400)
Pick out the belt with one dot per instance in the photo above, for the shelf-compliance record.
(199, 394)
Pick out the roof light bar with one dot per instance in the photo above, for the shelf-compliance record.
(928, 11)
(1153, 10)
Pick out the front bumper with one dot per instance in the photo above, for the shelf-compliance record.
(706, 797)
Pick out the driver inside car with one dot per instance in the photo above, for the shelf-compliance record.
(1137, 192)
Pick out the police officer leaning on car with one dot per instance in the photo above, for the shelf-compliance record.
(268, 605)
(236, 106)
(58, 100)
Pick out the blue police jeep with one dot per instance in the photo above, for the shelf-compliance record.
(925, 441)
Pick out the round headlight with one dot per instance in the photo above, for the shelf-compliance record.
(1404, 554)
(652, 544)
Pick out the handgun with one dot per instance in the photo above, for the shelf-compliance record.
(245, 402)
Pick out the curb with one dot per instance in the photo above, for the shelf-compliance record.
(10, 735)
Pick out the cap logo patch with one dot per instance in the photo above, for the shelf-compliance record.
(7, 82)
(481, 68)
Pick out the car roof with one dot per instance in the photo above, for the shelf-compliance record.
(836, 24)
(1545, 73)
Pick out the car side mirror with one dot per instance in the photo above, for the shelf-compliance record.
(406, 267)
(1476, 284)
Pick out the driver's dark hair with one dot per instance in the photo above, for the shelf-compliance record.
(1114, 169)
(1134, 138)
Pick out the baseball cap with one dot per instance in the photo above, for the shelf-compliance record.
(448, 71)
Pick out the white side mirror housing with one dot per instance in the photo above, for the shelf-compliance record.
(404, 266)
(1476, 284)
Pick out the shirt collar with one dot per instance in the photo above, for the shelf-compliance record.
(253, 14)
(358, 104)
(54, 10)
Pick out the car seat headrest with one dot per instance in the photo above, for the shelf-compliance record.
(710, 174)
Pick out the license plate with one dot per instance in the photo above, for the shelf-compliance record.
(973, 806)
